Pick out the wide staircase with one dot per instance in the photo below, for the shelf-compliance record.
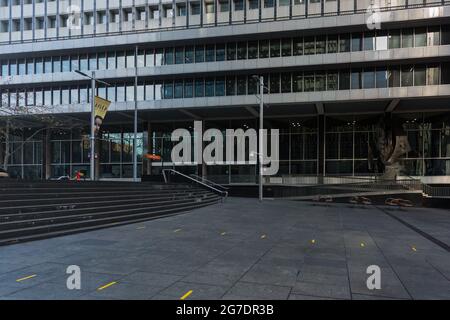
(30, 211)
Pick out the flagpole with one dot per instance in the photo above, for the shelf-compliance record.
(93, 84)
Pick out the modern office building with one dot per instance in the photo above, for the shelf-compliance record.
(336, 74)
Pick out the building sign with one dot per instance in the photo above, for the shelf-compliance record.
(101, 108)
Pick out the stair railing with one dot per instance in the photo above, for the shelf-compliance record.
(209, 182)
(436, 192)
(168, 172)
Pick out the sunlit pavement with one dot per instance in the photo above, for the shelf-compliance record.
(243, 250)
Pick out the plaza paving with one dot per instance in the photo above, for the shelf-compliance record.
(242, 249)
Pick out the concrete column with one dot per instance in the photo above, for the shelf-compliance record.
(203, 170)
(47, 154)
(2, 153)
(201, 167)
(148, 162)
(321, 147)
(97, 157)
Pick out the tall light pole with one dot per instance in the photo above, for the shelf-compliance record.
(93, 86)
(135, 116)
(260, 79)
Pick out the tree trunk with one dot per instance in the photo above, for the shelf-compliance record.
(7, 149)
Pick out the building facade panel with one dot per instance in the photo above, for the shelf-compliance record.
(334, 73)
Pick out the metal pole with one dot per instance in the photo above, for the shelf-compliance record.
(135, 118)
(261, 136)
(93, 127)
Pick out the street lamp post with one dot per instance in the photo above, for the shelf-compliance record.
(93, 86)
(93, 126)
(260, 79)
(261, 137)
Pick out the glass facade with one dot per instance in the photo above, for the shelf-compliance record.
(286, 82)
(262, 49)
(346, 138)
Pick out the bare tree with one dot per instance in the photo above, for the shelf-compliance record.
(16, 115)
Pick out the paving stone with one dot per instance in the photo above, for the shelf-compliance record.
(240, 264)
(323, 278)
(123, 290)
(271, 274)
(336, 291)
(258, 291)
(219, 279)
(303, 297)
(151, 279)
(47, 291)
(199, 291)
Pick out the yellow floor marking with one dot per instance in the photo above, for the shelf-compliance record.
(414, 249)
(186, 295)
(107, 286)
(263, 236)
(178, 230)
(26, 278)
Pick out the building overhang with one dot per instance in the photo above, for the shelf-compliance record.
(271, 111)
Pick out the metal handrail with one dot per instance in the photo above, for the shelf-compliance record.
(432, 191)
(172, 171)
(204, 180)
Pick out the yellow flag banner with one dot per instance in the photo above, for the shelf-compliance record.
(101, 108)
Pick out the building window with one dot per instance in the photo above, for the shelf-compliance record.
(332, 44)
(369, 78)
(230, 86)
(188, 89)
(420, 37)
(407, 76)
(344, 43)
(407, 38)
(263, 49)
(394, 39)
(242, 51)
(199, 88)
(220, 52)
(209, 87)
(275, 48)
(179, 55)
(189, 54)
(356, 42)
(252, 50)
(238, 5)
(220, 86)
(231, 51)
(178, 90)
(420, 78)
(210, 53)
(394, 77)
(199, 53)
(309, 46)
(381, 78)
(356, 79)
(195, 8)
